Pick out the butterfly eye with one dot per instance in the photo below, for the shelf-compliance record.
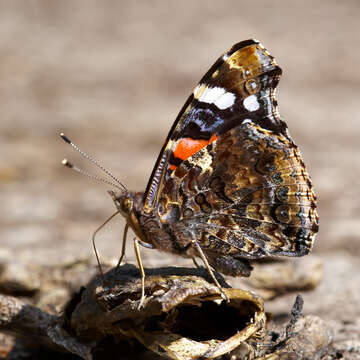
(126, 205)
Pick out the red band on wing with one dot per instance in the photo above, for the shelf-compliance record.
(186, 147)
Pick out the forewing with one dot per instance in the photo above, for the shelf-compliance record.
(240, 85)
(246, 194)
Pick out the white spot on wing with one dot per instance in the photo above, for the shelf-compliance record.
(217, 96)
(225, 101)
(210, 95)
(251, 103)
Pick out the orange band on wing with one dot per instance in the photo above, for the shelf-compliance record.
(187, 147)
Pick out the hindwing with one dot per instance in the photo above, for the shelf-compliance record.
(246, 194)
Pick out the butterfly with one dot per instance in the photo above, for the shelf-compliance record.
(229, 184)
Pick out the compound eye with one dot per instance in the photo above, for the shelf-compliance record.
(126, 205)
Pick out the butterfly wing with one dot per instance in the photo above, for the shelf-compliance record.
(245, 195)
(240, 85)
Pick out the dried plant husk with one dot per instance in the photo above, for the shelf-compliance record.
(184, 315)
(184, 318)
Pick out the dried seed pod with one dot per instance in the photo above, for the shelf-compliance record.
(184, 316)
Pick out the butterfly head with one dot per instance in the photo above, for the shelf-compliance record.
(130, 205)
(124, 202)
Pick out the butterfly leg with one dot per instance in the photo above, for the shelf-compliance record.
(195, 263)
(93, 241)
(211, 273)
(123, 245)
(142, 272)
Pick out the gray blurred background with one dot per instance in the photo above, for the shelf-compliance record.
(113, 75)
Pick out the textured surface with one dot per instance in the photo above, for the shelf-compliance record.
(246, 194)
(114, 75)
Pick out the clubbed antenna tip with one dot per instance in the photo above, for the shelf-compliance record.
(65, 138)
(91, 159)
(67, 163)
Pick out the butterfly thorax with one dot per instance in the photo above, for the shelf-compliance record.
(149, 226)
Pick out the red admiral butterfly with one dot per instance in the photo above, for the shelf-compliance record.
(229, 184)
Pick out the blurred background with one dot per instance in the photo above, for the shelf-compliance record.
(112, 75)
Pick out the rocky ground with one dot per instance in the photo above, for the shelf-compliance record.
(112, 75)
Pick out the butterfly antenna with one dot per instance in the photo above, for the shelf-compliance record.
(92, 160)
(71, 166)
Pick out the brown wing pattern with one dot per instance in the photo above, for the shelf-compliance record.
(241, 84)
(247, 194)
